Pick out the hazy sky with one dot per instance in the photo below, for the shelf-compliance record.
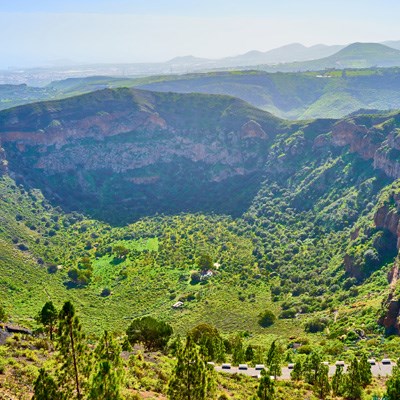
(36, 32)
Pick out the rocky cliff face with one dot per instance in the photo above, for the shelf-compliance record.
(379, 142)
(127, 138)
(388, 218)
(127, 146)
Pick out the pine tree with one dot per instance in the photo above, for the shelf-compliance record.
(353, 388)
(297, 373)
(73, 355)
(189, 378)
(338, 381)
(238, 351)
(249, 354)
(321, 384)
(210, 341)
(45, 388)
(274, 359)
(311, 366)
(365, 371)
(266, 388)
(48, 317)
(393, 384)
(107, 376)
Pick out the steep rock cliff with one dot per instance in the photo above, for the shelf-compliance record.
(141, 151)
(372, 138)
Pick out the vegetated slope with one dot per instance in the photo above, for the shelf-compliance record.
(14, 95)
(329, 94)
(318, 235)
(122, 154)
(302, 95)
(294, 95)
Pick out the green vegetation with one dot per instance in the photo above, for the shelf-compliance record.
(189, 378)
(153, 334)
(295, 95)
(298, 273)
(48, 316)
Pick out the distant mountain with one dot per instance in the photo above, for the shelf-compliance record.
(289, 58)
(369, 54)
(289, 53)
(395, 44)
(355, 55)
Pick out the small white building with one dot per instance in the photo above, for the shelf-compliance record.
(178, 304)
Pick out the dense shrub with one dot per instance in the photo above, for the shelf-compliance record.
(153, 334)
(316, 325)
(267, 319)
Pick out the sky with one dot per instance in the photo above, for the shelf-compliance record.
(43, 32)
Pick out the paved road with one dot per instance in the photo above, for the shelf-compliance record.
(378, 369)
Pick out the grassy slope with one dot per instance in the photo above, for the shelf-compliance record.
(278, 244)
(288, 95)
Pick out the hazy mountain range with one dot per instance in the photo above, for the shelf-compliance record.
(292, 57)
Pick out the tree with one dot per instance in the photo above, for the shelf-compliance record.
(365, 371)
(3, 314)
(204, 262)
(266, 388)
(107, 377)
(297, 373)
(274, 359)
(321, 384)
(195, 278)
(48, 317)
(311, 366)
(120, 252)
(338, 381)
(237, 350)
(189, 378)
(249, 353)
(73, 355)
(352, 387)
(267, 319)
(45, 387)
(210, 341)
(393, 384)
(153, 334)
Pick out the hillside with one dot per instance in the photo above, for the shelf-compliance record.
(119, 148)
(355, 55)
(293, 95)
(360, 55)
(300, 221)
(313, 224)
(328, 94)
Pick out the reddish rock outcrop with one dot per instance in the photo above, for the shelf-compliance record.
(390, 320)
(356, 136)
(252, 129)
(388, 217)
(369, 143)
(389, 166)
